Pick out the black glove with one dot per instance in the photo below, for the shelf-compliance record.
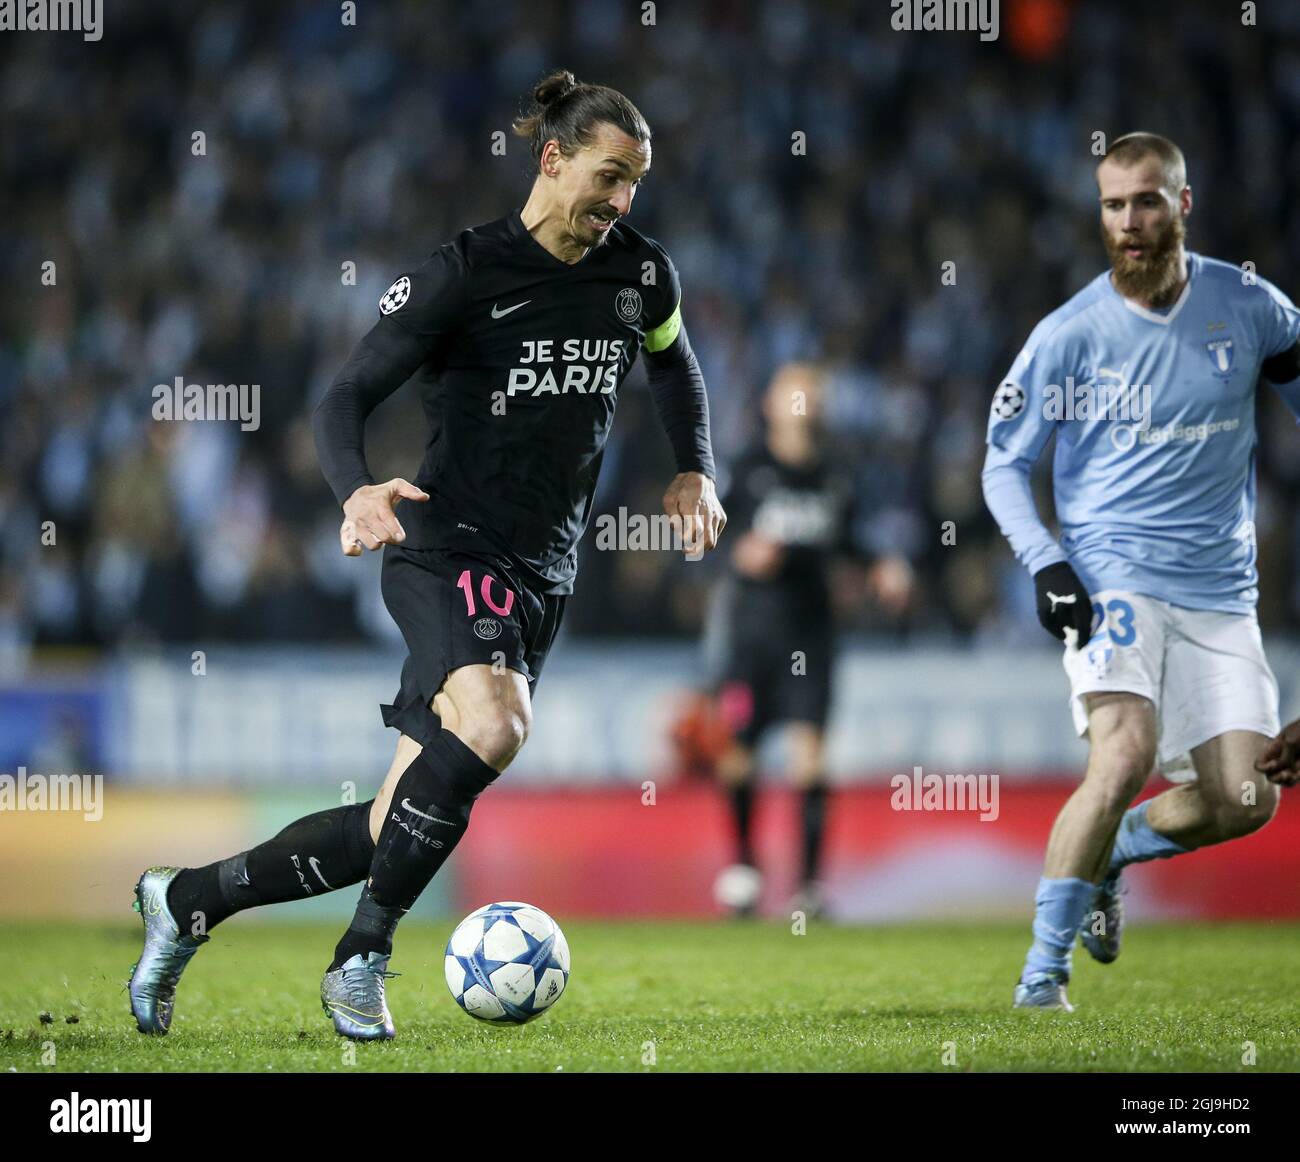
(1063, 602)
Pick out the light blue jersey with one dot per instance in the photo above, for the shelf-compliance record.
(1154, 415)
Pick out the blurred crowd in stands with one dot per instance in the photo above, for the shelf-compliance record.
(328, 144)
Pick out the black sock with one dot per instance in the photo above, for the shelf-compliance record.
(427, 816)
(742, 811)
(814, 825)
(318, 853)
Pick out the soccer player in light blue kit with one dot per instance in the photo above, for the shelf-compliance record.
(1147, 378)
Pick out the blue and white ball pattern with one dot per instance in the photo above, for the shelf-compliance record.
(507, 963)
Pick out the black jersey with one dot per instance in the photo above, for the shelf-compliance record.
(519, 357)
(809, 510)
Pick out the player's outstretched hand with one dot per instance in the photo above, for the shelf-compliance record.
(1280, 759)
(368, 519)
(1063, 603)
(695, 512)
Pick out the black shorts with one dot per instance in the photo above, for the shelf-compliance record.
(767, 669)
(460, 609)
(766, 684)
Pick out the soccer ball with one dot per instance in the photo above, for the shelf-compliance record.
(1008, 401)
(507, 963)
(738, 887)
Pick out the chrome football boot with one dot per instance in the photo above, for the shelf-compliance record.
(166, 953)
(353, 995)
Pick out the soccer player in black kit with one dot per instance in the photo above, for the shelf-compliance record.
(770, 637)
(519, 333)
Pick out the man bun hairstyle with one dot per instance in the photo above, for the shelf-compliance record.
(1135, 147)
(568, 110)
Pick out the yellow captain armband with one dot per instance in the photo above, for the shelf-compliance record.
(664, 334)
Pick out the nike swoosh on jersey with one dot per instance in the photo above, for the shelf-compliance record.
(315, 866)
(496, 314)
(406, 803)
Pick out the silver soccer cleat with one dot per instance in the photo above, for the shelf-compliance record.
(166, 953)
(353, 995)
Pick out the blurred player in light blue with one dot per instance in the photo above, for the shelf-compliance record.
(1147, 378)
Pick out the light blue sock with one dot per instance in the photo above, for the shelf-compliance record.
(1060, 908)
(1136, 841)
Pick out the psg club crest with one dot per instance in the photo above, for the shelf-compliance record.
(487, 628)
(628, 304)
(1220, 352)
(395, 296)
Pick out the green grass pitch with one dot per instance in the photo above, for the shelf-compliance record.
(668, 997)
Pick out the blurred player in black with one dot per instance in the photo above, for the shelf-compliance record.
(770, 635)
(519, 334)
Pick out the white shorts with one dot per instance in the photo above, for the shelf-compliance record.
(1204, 671)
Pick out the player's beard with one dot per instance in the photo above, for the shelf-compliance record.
(593, 237)
(1154, 277)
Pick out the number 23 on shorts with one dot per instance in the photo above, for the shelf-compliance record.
(1116, 619)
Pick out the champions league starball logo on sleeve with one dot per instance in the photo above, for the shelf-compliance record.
(1008, 401)
(395, 296)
